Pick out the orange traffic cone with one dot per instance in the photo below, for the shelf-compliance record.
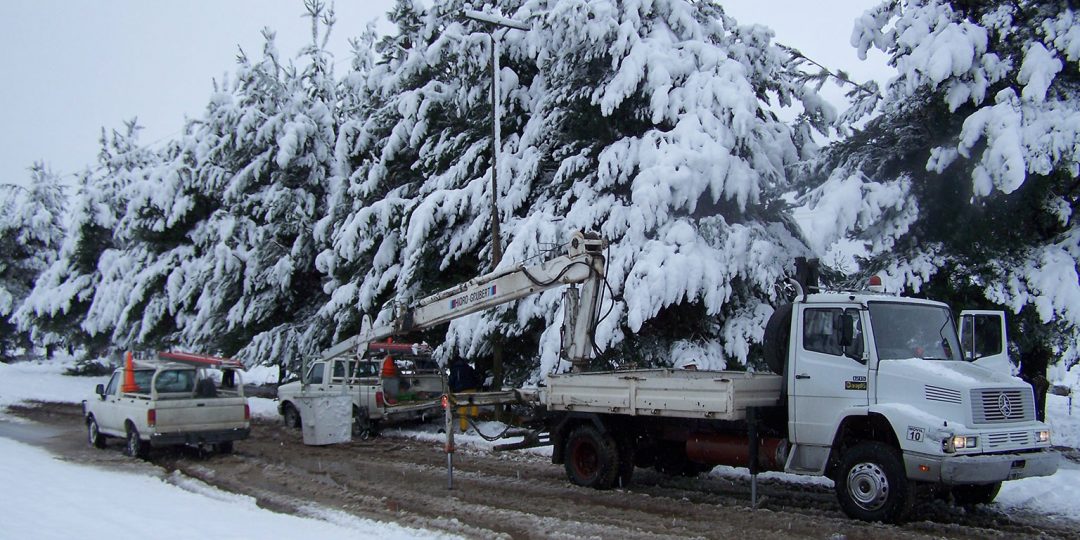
(129, 376)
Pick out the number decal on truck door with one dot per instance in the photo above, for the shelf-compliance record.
(915, 434)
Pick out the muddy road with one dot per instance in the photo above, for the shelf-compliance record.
(517, 495)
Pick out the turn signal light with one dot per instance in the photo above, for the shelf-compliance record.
(1042, 436)
(151, 417)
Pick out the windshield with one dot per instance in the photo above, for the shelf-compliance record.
(913, 331)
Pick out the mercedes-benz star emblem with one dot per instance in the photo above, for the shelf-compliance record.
(1005, 405)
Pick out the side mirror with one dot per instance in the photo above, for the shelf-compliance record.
(847, 330)
(100, 390)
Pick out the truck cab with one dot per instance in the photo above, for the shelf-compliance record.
(880, 393)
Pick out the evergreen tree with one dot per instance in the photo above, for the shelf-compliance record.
(31, 228)
(964, 187)
(646, 121)
(67, 299)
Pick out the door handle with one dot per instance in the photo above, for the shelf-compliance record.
(802, 376)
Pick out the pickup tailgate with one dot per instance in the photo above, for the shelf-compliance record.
(203, 414)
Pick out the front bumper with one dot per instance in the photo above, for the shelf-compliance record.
(199, 437)
(980, 469)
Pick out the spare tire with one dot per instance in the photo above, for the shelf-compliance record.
(777, 335)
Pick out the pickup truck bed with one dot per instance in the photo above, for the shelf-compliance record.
(719, 395)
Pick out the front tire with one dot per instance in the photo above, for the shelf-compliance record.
(134, 446)
(592, 458)
(290, 415)
(93, 433)
(871, 484)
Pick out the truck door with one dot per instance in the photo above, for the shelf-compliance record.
(830, 372)
(315, 379)
(984, 341)
(108, 417)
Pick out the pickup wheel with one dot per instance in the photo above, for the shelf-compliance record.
(871, 483)
(135, 447)
(93, 433)
(592, 458)
(290, 415)
(972, 494)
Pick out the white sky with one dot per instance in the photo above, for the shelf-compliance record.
(70, 68)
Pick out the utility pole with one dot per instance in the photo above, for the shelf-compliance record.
(498, 25)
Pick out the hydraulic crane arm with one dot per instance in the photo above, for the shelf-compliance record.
(583, 263)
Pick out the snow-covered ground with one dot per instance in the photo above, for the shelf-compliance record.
(50, 488)
(59, 499)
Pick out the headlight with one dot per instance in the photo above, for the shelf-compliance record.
(1042, 436)
(959, 442)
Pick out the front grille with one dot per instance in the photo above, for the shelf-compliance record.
(1009, 439)
(1002, 405)
(945, 395)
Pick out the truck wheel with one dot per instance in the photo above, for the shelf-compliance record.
(972, 494)
(592, 458)
(93, 433)
(224, 448)
(135, 446)
(290, 415)
(871, 484)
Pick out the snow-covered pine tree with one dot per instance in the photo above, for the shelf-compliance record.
(228, 218)
(66, 299)
(31, 229)
(965, 187)
(646, 121)
(206, 243)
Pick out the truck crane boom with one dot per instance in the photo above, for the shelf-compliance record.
(583, 263)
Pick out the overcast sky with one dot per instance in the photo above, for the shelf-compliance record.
(71, 67)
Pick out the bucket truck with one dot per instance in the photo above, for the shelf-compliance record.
(874, 391)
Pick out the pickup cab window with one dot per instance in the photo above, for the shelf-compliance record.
(111, 389)
(343, 370)
(368, 369)
(903, 331)
(315, 373)
(176, 381)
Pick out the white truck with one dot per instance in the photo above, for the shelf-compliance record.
(360, 378)
(871, 390)
(172, 400)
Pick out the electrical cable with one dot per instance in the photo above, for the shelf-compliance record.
(487, 438)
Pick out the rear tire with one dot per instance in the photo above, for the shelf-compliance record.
(872, 485)
(290, 415)
(134, 446)
(93, 433)
(592, 458)
(972, 494)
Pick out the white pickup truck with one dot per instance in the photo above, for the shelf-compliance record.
(174, 400)
(419, 398)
